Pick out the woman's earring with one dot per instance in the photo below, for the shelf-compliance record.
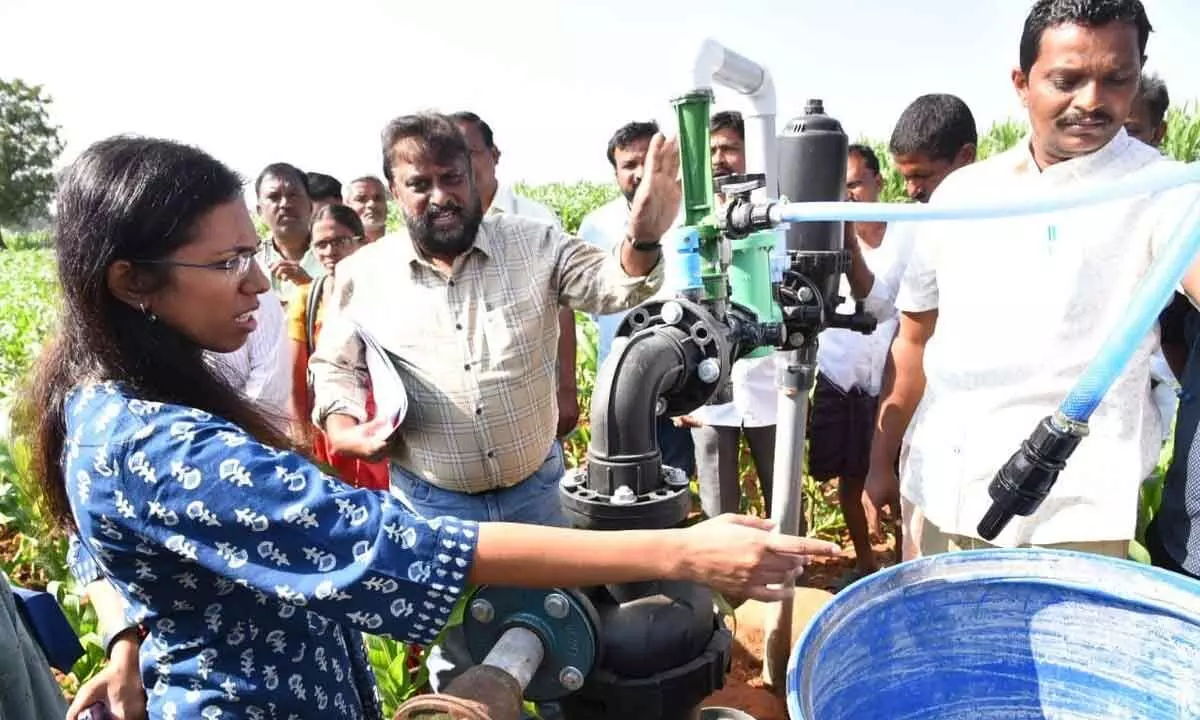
(149, 314)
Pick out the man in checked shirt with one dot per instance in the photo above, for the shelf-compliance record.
(469, 305)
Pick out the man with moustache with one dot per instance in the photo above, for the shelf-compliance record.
(471, 319)
(368, 197)
(468, 304)
(1000, 317)
(286, 208)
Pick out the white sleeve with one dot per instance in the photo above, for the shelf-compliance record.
(269, 383)
(918, 288)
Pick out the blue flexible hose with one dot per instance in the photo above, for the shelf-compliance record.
(1153, 179)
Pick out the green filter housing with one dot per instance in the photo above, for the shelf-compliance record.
(750, 279)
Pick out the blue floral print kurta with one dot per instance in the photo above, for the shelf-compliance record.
(251, 570)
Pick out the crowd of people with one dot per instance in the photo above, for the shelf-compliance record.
(206, 426)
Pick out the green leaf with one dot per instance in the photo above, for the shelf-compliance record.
(1138, 553)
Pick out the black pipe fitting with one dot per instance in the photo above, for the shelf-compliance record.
(670, 357)
(663, 654)
(1025, 480)
(743, 217)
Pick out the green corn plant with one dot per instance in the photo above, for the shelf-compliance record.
(587, 346)
(41, 549)
(390, 662)
(1000, 137)
(1183, 133)
(570, 201)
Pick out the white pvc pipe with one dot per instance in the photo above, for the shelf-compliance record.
(717, 63)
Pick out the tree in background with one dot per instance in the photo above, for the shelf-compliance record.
(29, 147)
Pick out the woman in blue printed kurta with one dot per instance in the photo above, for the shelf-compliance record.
(246, 564)
(250, 572)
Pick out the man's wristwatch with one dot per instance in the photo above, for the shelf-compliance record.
(644, 246)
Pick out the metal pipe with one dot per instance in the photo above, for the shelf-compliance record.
(795, 373)
(519, 652)
(717, 63)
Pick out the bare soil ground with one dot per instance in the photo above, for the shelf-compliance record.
(744, 689)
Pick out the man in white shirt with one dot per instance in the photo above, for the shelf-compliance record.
(1021, 305)
(850, 366)
(261, 369)
(498, 198)
(934, 136)
(605, 227)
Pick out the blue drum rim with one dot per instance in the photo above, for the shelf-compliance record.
(1167, 591)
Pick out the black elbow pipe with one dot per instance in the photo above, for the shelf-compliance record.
(625, 399)
(668, 359)
(626, 484)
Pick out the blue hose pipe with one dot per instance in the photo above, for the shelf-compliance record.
(1153, 179)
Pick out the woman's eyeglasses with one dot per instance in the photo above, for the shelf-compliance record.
(336, 243)
(237, 266)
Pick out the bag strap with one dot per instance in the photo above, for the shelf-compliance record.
(310, 312)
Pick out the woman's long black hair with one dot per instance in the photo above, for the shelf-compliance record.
(126, 198)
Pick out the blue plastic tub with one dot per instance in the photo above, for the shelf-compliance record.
(1003, 634)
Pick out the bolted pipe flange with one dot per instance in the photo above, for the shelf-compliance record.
(482, 611)
(557, 606)
(671, 313)
(570, 678)
(564, 620)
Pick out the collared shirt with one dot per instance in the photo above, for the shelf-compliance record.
(851, 359)
(261, 368)
(476, 350)
(1023, 305)
(285, 289)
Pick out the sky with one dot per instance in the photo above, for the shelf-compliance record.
(313, 83)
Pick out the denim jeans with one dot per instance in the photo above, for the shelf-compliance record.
(533, 501)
